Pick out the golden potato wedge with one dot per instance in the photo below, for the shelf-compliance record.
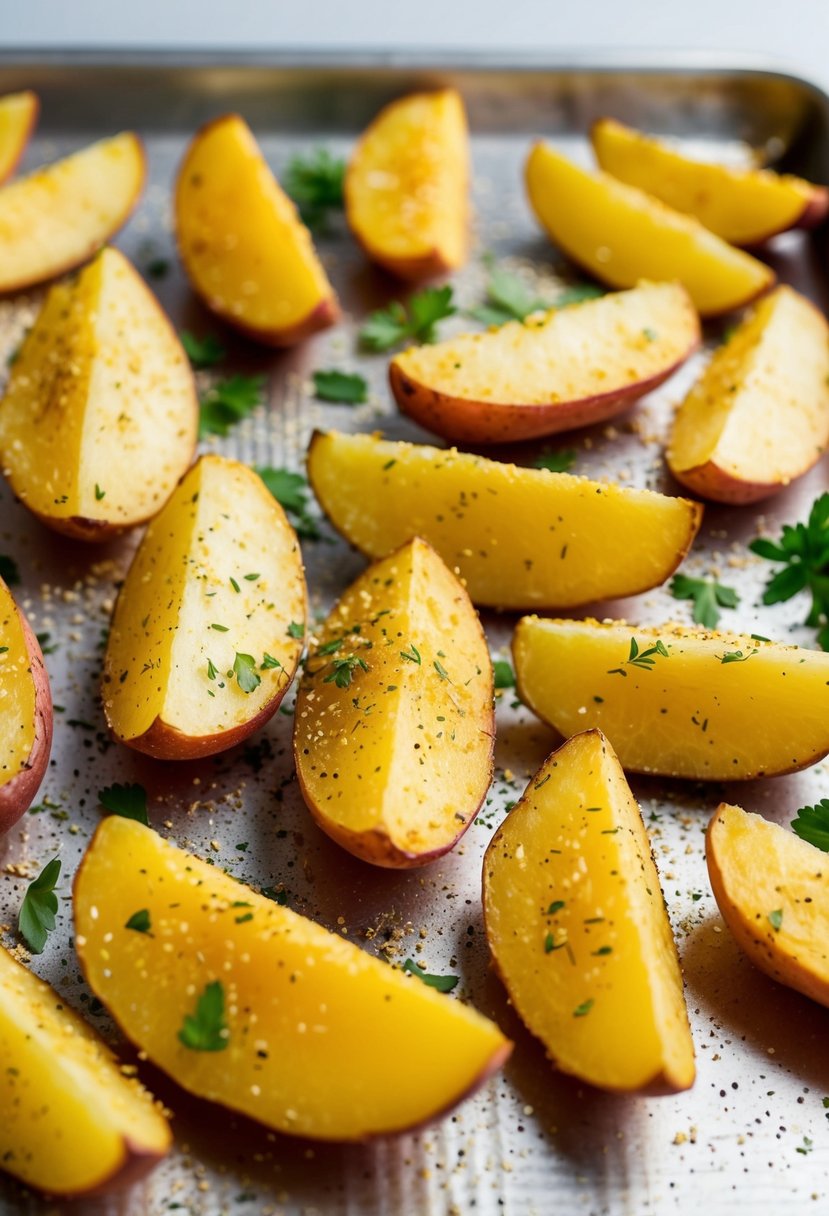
(73, 1123)
(100, 414)
(394, 726)
(292, 1005)
(25, 713)
(487, 520)
(770, 887)
(759, 416)
(407, 186)
(242, 243)
(578, 929)
(622, 235)
(59, 216)
(18, 115)
(198, 666)
(676, 701)
(743, 206)
(557, 370)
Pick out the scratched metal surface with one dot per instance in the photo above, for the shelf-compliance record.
(532, 1141)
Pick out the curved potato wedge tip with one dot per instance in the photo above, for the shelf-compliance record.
(291, 1005)
(56, 218)
(25, 713)
(195, 671)
(677, 701)
(759, 415)
(743, 206)
(555, 371)
(73, 1124)
(100, 414)
(770, 887)
(243, 246)
(18, 115)
(485, 519)
(407, 186)
(394, 727)
(580, 959)
(622, 235)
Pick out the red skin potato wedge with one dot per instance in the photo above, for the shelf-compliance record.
(17, 795)
(164, 742)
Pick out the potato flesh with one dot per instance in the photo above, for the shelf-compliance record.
(417, 757)
(490, 521)
(99, 417)
(760, 412)
(622, 235)
(688, 715)
(17, 692)
(220, 524)
(17, 115)
(601, 346)
(597, 979)
(406, 189)
(70, 1116)
(239, 234)
(757, 868)
(60, 215)
(303, 1005)
(742, 206)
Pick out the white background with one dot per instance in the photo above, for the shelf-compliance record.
(794, 31)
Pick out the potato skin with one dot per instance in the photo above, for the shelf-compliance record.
(711, 481)
(165, 742)
(816, 209)
(480, 422)
(17, 795)
(421, 269)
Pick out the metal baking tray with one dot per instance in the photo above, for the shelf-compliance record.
(532, 1141)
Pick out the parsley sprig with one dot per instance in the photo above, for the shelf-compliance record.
(556, 462)
(343, 670)
(643, 659)
(341, 388)
(206, 1030)
(390, 326)
(202, 352)
(291, 492)
(508, 298)
(36, 919)
(708, 597)
(811, 823)
(804, 552)
(228, 402)
(128, 801)
(315, 183)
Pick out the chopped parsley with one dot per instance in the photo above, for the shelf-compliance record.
(99, 493)
(584, 1008)
(36, 919)
(556, 462)
(443, 983)
(341, 388)
(202, 352)
(390, 326)
(139, 921)
(291, 492)
(503, 675)
(228, 402)
(296, 629)
(244, 668)
(412, 655)
(737, 656)
(776, 919)
(315, 183)
(206, 1030)
(708, 596)
(9, 571)
(508, 298)
(128, 801)
(343, 670)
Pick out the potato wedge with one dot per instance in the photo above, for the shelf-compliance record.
(57, 217)
(73, 1123)
(196, 668)
(558, 370)
(18, 115)
(485, 520)
(100, 414)
(770, 887)
(622, 235)
(293, 1005)
(245, 250)
(578, 928)
(407, 186)
(394, 728)
(25, 713)
(743, 206)
(677, 701)
(759, 416)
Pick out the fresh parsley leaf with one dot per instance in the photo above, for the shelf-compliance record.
(555, 906)
(228, 402)
(508, 298)
(343, 388)
(315, 183)
(202, 352)
(342, 670)
(139, 921)
(737, 656)
(128, 801)
(803, 551)
(9, 571)
(269, 663)
(206, 1030)
(389, 326)
(291, 492)
(44, 641)
(296, 630)
(577, 294)
(443, 983)
(776, 919)
(99, 493)
(36, 919)
(503, 674)
(708, 597)
(556, 462)
(157, 268)
(806, 1147)
(244, 667)
(584, 1008)
(812, 823)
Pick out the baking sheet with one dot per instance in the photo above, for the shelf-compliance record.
(532, 1141)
